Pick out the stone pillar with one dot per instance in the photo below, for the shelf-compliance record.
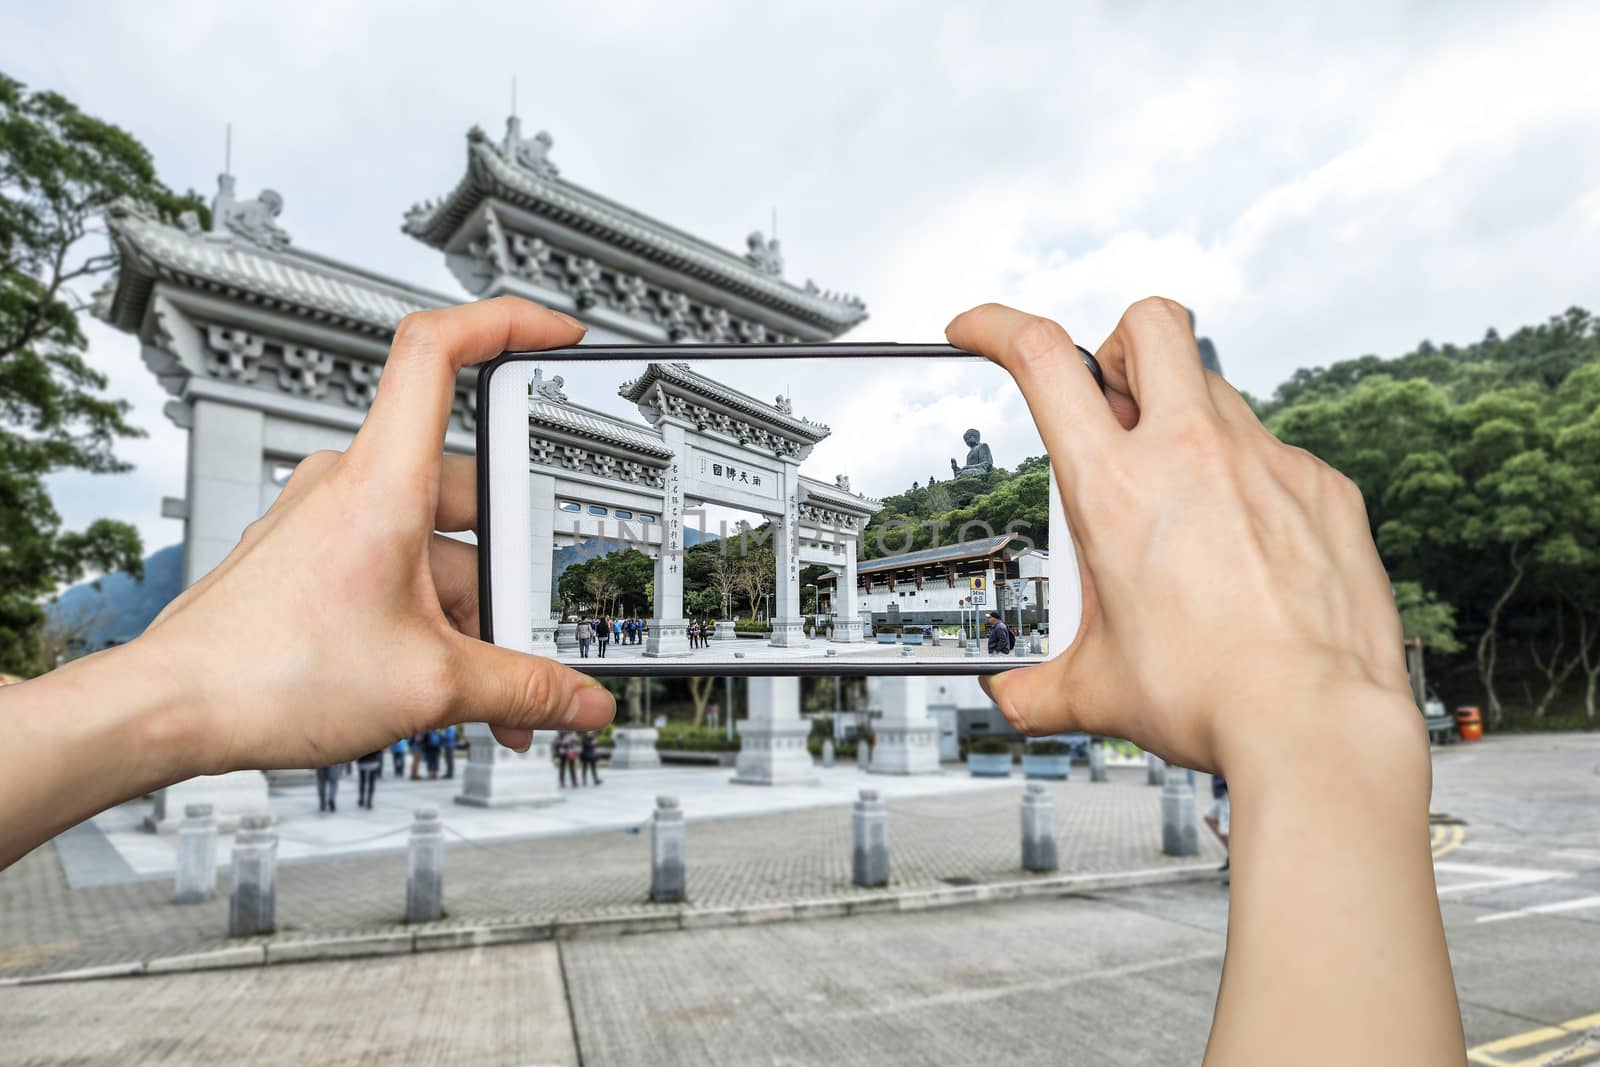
(255, 859)
(1155, 769)
(847, 601)
(497, 777)
(567, 639)
(425, 868)
(231, 796)
(1038, 828)
(1179, 835)
(669, 633)
(541, 534)
(634, 747)
(869, 841)
(788, 627)
(197, 856)
(667, 880)
(908, 739)
(827, 752)
(863, 753)
(773, 738)
(1097, 760)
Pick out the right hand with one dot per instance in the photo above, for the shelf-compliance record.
(1233, 597)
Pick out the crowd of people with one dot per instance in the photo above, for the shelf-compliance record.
(601, 632)
(427, 748)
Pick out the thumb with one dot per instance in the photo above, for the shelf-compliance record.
(1060, 695)
(516, 693)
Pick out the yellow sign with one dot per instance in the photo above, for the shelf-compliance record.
(977, 585)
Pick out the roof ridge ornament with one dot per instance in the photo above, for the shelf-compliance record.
(530, 153)
(254, 220)
(765, 255)
(548, 390)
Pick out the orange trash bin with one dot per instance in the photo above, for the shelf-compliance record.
(1469, 723)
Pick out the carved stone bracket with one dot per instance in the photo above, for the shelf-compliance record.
(234, 354)
(547, 453)
(305, 371)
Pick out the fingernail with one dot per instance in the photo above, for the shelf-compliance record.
(523, 748)
(569, 320)
(591, 705)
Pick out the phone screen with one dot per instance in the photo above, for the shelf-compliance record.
(715, 515)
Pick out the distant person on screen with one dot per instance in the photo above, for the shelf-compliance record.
(1335, 947)
(1000, 640)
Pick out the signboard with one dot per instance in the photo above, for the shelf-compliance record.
(978, 584)
(979, 597)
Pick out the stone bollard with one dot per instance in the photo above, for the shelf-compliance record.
(1097, 760)
(1155, 769)
(1036, 644)
(197, 856)
(863, 753)
(1038, 828)
(827, 752)
(1179, 836)
(869, 841)
(425, 868)
(255, 859)
(667, 880)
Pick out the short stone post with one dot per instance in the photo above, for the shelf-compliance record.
(255, 859)
(1038, 828)
(425, 868)
(1179, 836)
(863, 752)
(827, 752)
(1036, 644)
(869, 841)
(1097, 760)
(1155, 769)
(197, 856)
(667, 880)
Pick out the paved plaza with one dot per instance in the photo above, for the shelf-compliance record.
(1123, 976)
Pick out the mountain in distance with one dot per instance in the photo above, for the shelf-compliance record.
(120, 609)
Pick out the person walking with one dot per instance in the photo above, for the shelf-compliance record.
(449, 740)
(368, 767)
(585, 635)
(602, 633)
(398, 751)
(566, 753)
(328, 786)
(589, 755)
(430, 752)
(415, 747)
(1217, 817)
(1000, 640)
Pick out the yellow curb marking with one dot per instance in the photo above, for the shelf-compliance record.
(1446, 839)
(1567, 1055)
(14, 957)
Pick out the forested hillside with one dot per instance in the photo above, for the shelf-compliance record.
(1481, 470)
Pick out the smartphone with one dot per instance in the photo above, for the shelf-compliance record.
(835, 509)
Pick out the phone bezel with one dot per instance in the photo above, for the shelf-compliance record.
(827, 666)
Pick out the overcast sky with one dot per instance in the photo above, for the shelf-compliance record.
(1316, 186)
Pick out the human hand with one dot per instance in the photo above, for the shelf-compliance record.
(342, 620)
(1233, 597)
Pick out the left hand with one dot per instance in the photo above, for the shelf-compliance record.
(342, 620)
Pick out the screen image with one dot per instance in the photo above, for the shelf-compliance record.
(864, 514)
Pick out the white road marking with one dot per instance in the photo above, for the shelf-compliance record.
(1543, 909)
(1494, 877)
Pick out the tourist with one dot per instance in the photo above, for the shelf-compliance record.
(1216, 817)
(448, 741)
(585, 635)
(589, 755)
(694, 633)
(1000, 640)
(565, 751)
(1336, 950)
(368, 767)
(398, 751)
(616, 630)
(602, 633)
(415, 746)
(430, 751)
(328, 786)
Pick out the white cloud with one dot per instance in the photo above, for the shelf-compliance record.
(1317, 184)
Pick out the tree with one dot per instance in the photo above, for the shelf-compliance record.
(757, 575)
(59, 171)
